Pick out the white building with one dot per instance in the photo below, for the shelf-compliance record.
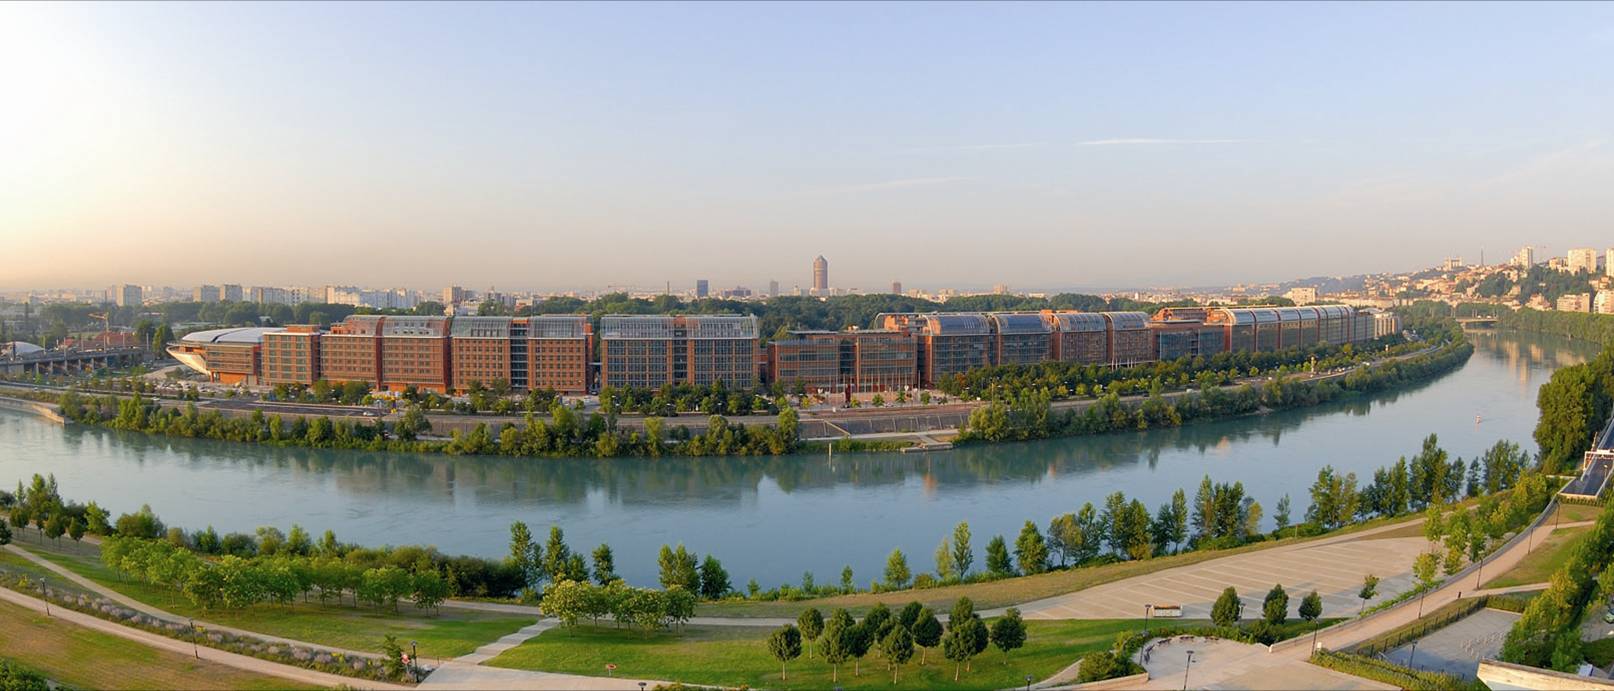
(1575, 302)
(1303, 295)
(1526, 257)
(1582, 259)
(1604, 302)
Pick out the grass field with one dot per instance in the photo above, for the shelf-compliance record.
(1011, 591)
(738, 656)
(451, 633)
(1545, 559)
(83, 658)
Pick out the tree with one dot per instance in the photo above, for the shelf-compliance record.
(862, 640)
(897, 648)
(896, 570)
(1275, 608)
(524, 554)
(997, 558)
(810, 625)
(1009, 632)
(714, 580)
(1281, 517)
(604, 565)
(927, 632)
(1311, 607)
(1228, 608)
(839, 640)
(944, 560)
(1178, 533)
(963, 553)
(557, 558)
(1031, 550)
(1424, 568)
(957, 646)
(1064, 537)
(785, 644)
(1370, 587)
(678, 568)
(846, 579)
(5, 532)
(55, 527)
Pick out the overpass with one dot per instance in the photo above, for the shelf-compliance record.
(70, 361)
(1477, 321)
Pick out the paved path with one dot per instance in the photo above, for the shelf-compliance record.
(1233, 665)
(242, 662)
(1458, 648)
(165, 615)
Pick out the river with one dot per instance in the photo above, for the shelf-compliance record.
(774, 518)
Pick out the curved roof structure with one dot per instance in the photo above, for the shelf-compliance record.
(412, 326)
(1018, 323)
(15, 348)
(1288, 314)
(557, 326)
(958, 324)
(240, 335)
(1128, 321)
(481, 327)
(709, 326)
(1080, 322)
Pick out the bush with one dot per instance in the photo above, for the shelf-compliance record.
(1104, 664)
(1393, 674)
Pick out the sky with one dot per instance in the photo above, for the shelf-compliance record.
(557, 146)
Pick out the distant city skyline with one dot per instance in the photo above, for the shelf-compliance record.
(578, 146)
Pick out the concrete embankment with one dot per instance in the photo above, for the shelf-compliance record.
(44, 410)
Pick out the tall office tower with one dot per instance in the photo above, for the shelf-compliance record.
(453, 295)
(896, 287)
(700, 288)
(821, 275)
(773, 287)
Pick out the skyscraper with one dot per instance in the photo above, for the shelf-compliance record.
(820, 274)
(896, 287)
(700, 288)
(773, 287)
(1525, 258)
(126, 294)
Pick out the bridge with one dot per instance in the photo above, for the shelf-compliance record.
(1595, 467)
(71, 360)
(1477, 321)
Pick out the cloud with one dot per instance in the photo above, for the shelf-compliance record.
(1157, 142)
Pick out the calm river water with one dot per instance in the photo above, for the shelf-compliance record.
(774, 518)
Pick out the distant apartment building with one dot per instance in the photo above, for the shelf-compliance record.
(701, 288)
(896, 287)
(820, 275)
(649, 351)
(265, 295)
(127, 295)
(1603, 303)
(773, 289)
(1582, 259)
(1302, 295)
(1575, 302)
(1525, 257)
(230, 292)
(1385, 323)
(206, 293)
(1608, 261)
(291, 355)
(454, 295)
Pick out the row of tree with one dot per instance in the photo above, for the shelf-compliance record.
(841, 638)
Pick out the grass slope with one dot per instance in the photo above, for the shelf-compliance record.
(83, 658)
(451, 633)
(1542, 561)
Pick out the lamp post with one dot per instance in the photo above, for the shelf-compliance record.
(1028, 682)
(1185, 670)
(44, 590)
(414, 661)
(194, 649)
(1147, 610)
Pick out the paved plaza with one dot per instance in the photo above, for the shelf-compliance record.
(1334, 569)
(1222, 664)
(1458, 648)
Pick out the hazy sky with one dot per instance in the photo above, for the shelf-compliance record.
(552, 146)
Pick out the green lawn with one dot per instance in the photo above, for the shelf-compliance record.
(83, 658)
(738, 657)
(1545, 559)
(1572, 513)
(451, 633)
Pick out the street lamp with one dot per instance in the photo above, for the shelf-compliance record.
(1028, 682)
(44, 594)
(1185, 670)
(1147, 610)
(414, 661)
(194, 649)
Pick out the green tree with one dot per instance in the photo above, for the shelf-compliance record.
(846, 579)
(1370, 587)
(838, 642)
(1424, 567)
(5, 532)
(927, 632)
(1275, 608)
(1031, 550)
(785, 645)
(714, 580)
(1281, 517)
(944, 560)
(678, 568)
(1008, 632)
(1311, 607)
(958, 647)
(524, 555)
(997, 558)
(811, 625)
(896, 570)
(604, 565)
(963, 553)
(1227, 608)
(897, 648)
